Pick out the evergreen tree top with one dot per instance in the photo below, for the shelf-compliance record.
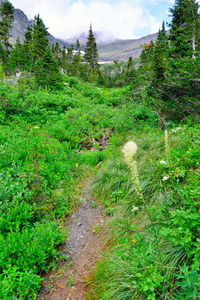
(91, 52)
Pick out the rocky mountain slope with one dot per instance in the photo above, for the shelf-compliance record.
(112, 49)
(123, 49)
(20, 25)
(115, 49)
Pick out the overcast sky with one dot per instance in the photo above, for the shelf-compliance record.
(124, 19)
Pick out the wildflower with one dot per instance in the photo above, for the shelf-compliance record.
(129, 150)
(176, 129)
(134, 241)
(163, 162)
(165, 178)
(36, 127)
(135, 208)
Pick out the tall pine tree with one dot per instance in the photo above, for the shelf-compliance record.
(39, 38)
(47, 72)
(28, 43)
(7, 18)
(184, 28)
(91, 52)
(17, 57)
(160, 55)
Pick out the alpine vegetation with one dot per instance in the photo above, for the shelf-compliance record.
(64, 120)
(129, 151)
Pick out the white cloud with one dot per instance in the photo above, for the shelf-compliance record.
(67, 18)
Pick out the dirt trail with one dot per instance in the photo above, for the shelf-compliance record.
(84, 242)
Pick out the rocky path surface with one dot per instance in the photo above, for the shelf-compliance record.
(84, 242)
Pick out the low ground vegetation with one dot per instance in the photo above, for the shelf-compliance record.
(56, 127)
(49, 141)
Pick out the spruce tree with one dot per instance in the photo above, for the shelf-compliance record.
(64, 57)
(28, 42)
(47, 72)
(147, 53)
(184, 28)
(160, 55)
(17, 56)
(162, 38)
(39, 38)
(3, 57)
(70, 53)
(57, 52)
(7, 18)
(130, 72)
(91, 52)
(159, 64)
(77, 59)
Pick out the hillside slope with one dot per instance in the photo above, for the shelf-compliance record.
(123, 49)
(114, 49)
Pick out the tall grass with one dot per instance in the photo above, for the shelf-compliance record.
(148, 251)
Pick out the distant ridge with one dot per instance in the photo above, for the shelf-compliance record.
(116, 49)
(123, 49)
(109, 48)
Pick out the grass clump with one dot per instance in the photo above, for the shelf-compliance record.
(155, 225)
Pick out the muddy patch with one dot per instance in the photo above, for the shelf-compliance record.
(84, 242)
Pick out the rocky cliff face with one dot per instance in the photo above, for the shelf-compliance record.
(20, 25)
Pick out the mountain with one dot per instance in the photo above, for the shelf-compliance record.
(123, 49)
(20, 25)
(109, 48)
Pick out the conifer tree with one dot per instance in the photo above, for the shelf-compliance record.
(3, 57)
(184, 28)
(91, 52)
(70, 53)
(64, 57)
(7, 18)
(159, 64)
(39, 38)
(77, 59)
(130, 73)
(17, 56)
(162, 38)
(28, 43)
(78, 46)
(57, 53)
(160, 54)
(47, 72)
(147, 52)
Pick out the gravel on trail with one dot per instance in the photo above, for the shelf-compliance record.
(85, 239)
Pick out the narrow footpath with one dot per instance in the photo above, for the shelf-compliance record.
(84, 242)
